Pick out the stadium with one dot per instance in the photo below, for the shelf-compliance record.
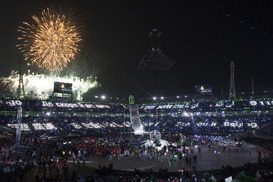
(134, 92)
(222, 126)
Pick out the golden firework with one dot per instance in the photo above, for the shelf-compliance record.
(51, 42)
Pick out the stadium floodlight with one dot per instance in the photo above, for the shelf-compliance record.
(186, 96)
(103, 97)
(186, 114)
(96, 96)
(154, 98)
(177, 97)
(161, 98)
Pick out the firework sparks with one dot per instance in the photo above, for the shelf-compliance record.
(41, 86)
(51, 42)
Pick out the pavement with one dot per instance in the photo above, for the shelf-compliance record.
(207, 159)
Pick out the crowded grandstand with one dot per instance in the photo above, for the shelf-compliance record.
(213, 118)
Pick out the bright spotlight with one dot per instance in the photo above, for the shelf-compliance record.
(186, 114)
(154, 98)
(103, 97)
(177, 97)
(96, 96)
(161, 98)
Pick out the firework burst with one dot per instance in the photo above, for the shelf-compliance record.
(50, 42)
(41, 85)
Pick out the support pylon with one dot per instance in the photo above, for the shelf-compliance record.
(232, 91)
(18, 128)
(252, 88)
(21, 89)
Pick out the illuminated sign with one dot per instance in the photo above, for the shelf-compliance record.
(195, 105)
(205, 124)
(223, 106)
(24, 127)
(219, 104)
(81, 105)
(69, 105)
(44, 126)
(252, 125)
(233, 124)
(253, 103)
(103, 106)
(47, 104)
(183, 123)
(165, 106)
(91, 125)
(239, 125)
(89, 106)
(13, 103)
(149, 107)
(76, 126)
(229, 105)
(178, 106)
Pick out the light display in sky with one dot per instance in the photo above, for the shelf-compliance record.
(41, 85)
(51, 42)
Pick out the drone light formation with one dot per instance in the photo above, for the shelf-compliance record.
(51, 42)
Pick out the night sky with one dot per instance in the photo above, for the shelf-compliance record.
(202, 37)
